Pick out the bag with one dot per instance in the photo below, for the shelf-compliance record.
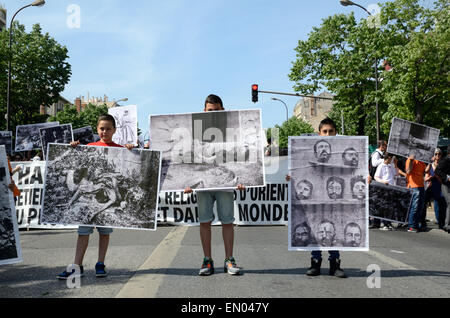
(372, 169)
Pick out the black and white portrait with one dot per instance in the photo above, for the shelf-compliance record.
(358, 186)
(10, 250)
(84, 135)
(328, 190)
(6, 140)
(335, 188)
(209, 150)
(389, 202)
(58, 134)
(101, 186)
(304, 189)
(352, 235)
(350, 157)
(28, 136)
(302, 235)
(322, 151)
(407, 138)
(126, 124)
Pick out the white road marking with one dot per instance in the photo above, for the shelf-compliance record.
(146, 285)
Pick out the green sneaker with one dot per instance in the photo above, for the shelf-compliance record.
(207, 267)
(231, 267)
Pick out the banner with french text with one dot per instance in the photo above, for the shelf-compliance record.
(30, 181)
(266, 205)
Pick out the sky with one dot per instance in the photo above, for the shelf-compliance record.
(167, 56)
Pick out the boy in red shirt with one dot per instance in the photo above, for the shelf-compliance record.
(106, 127)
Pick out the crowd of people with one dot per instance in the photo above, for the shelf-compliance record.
(428, 183)
(426, 186)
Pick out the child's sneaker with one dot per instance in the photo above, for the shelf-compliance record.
(65, 275)
(207, 267)
(231, 267)
(100, 270)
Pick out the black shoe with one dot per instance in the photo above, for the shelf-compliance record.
(335, 268)
(314, 270)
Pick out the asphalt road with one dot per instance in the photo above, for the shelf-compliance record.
(164, 264)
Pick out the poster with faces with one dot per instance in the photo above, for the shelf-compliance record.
(328, 193)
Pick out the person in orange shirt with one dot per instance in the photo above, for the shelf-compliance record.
(415, 173)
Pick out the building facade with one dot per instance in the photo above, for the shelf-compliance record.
(2, 18)
(314, 110)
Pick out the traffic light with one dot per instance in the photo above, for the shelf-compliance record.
(254, 93)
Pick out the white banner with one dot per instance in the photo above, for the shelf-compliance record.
(30, 181)
(266, 205)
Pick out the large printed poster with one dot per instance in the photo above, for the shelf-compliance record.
(328, 193)
(30, 181)
(28, 136)
(407, 138)
(126, 124)
(101, 186)
(10, 250)
(209, 150)
(6, 140)
(389, 202)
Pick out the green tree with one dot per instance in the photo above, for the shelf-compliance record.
(39, 73)
(87, 117)
(340, 56)
(292, 127)
(418, 50)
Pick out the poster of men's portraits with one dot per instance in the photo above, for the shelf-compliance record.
(209, 150)
(28, 136)
(84, 135)
(407, 138)
(10, 250)
(126, 124)
(58, 134)
(101, 186)
(389, 202)
(6, 140)
(328, 193)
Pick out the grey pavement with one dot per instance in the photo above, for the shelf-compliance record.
(164, 264)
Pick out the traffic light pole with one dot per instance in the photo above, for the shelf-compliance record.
(294, 94)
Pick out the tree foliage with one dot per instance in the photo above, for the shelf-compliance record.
(87, 117)
(340, 56)
(40, 72)
(292, 127)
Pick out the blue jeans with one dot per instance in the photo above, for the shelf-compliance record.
(318, 255)
(416, 208)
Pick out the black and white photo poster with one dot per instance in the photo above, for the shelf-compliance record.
(209, 150)
(407, 138)
(6, 140)
(328, 195)
(101, 186)
(84, 135)
(58, 134)
(126, 124)
(28, 137)
(389, 202)
(30, 182)
(10, 250)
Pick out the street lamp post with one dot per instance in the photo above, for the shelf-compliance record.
(287, 112)
(120, 100)
(37, 3)
(377, 114)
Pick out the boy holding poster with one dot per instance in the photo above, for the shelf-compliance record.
(327, 127)
(106, 127)
(225, 211)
